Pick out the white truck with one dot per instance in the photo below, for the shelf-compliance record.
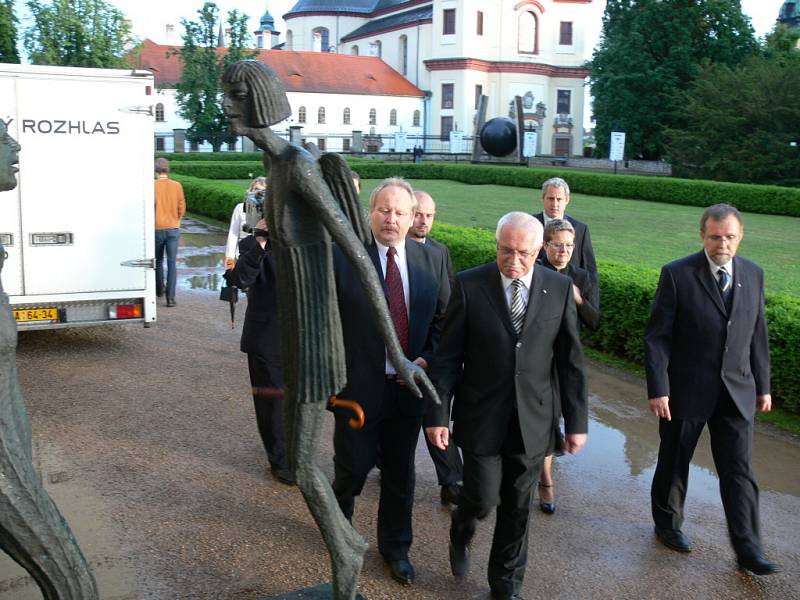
(78, 228)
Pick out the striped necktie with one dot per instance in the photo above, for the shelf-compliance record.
(517, 305)
(723, 279)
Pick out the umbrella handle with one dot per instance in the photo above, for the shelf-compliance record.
(356, 422)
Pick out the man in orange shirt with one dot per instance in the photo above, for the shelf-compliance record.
(170, 207)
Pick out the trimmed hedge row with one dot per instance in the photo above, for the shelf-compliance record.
(626, 291)
(763, 199)
(219, 170)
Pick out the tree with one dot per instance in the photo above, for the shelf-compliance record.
(198, 92)
(741, 123)
(8, 32)
(77, 33)
(648, 50)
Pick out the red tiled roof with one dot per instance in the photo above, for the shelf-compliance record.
(320, 72)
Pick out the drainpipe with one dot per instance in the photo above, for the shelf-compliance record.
(425, 103)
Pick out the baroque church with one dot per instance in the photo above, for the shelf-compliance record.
(417, 67)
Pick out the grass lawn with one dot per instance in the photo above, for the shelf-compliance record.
(648, 234)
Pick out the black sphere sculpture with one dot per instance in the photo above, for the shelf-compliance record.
(499, 136)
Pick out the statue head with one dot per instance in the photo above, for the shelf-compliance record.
(254, 95)
(9, 157)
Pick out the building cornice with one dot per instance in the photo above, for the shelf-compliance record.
(504, 66)
(375, 32)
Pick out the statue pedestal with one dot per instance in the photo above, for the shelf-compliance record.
(320, 592)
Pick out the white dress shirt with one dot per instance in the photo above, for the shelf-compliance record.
(715, 268)
(524, 292)
(235, 233)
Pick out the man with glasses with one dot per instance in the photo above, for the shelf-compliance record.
(508, 323)
(707, 362)
(555, 197)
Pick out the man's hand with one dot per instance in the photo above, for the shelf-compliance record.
(438, 436)
(576, 293)
(660, 407)
(764, 403)
(574, 442)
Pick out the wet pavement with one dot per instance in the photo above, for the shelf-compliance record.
(147, 441)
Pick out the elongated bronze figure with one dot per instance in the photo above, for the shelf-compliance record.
(311, 202)
(32, 530)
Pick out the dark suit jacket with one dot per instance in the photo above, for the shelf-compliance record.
(583, 254)
(451, 273)
(255, 270)
(429, 291)
(589, 311)
(693, 346)
(500, 371)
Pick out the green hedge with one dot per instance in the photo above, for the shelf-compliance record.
(626, 292)
(219, 170)
(763, 199)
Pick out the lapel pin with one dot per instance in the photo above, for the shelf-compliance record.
(544, 291)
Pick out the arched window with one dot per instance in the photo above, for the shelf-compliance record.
(321, 115)
(528, 33)
(373, 116)
(289, 40)
(320, 40)
(375, 48)
(416, 119)
(354, 50)
(403, 54)
(393, 117)
(159, 112)
(301, 114)
(346, 117)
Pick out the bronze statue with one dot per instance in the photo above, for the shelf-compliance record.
(310, 202)
(32, 530)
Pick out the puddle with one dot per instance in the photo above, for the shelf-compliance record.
(201, 255)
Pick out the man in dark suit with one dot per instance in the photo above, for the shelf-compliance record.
(707, 362)
(414, 277)
(555, 197)
(255, 271)
(509, 330)
(447, 462)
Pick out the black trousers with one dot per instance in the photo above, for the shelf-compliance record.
(448, 464)
(269, 413)
(507, 481)
(732, 449)
(355, 453)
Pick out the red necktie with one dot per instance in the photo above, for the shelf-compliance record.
(397, 300)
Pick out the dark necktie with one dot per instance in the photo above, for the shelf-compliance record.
(724, 283)
(517, 306)
(397, 300)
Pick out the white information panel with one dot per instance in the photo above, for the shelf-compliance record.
(529, 144)
(617, 147)
(456, 142)
(400, 141)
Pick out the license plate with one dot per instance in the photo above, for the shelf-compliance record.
(36, 314)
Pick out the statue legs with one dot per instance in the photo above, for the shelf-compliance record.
(345, 546)
(32, 530)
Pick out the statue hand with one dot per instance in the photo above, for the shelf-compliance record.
(412, 374)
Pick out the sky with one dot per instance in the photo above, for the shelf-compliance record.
(150, 16)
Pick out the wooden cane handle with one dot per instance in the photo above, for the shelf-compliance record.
(356, 422)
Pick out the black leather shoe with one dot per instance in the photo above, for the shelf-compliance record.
(451, 494)
(506, 597)
(673, 539)
(171, 302)
(758, 565)
(284, 476)
(402, 571)
(459, 560)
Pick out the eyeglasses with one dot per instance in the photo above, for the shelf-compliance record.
(720, 238)
(523, 254)
(567, 246)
